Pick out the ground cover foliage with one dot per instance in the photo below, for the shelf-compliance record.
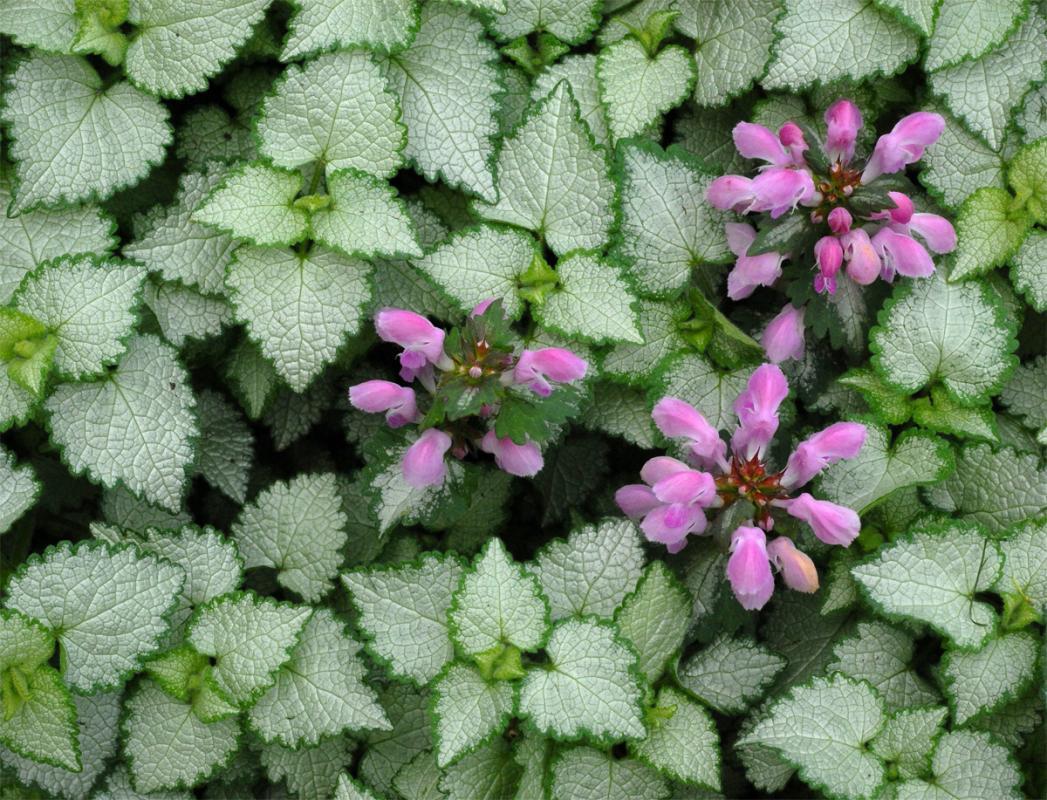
(335, 336)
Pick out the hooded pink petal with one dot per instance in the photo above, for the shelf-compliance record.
(635, 500)
(904, 144)
(423, 463)
(751, 272)
(739, 236)
(781, 190)
(677, 419)
(523, 460)
(863, 265)
(840, 220)
(843, 120)
(791, 136)
(902, 254)
(661, 467)
(748, 568)
(784, 336)
(832, 523)
(796, 567)
(536, 368)
(756, 141)
(377, 396)
(937, 231)
(731, 192)
(670, 524)
(686, 487)
(840, 440)
(757, 410)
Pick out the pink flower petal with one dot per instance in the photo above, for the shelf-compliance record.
(686, 487)
(784, 336)
(832, 523)
(780, 190)
(635, 500)
(661, 467)
(677, 419)
(748, 568)
(757, 410)
(843, 120)
(903, 254)
(863, 265)
(756, 141)
(751, 272)
(798, 571)
(523, 460)
(839, 441)
(731, 192)
(937, 231)
(423, 463)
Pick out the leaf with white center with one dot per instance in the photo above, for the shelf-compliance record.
(336, 110)
(988, 232)
(730, 674)
(984, 93)
(320, 692)
(1025, 563)
(710, 391)
(107, 605)
(250, 638)
(403, 611)
(181, 249)
(1029, 269)
(881, 654)
(308, 771)
(592, 302)
(19, 490)
(583, 773)
(365, 218)
(592, 571)
(256, 202)
(299, 307)
(571, 21)
(589, 688)
(908, 738)
(915, 458)
(932, 576)
(824, 41)
(468, 711)
(637, 89)
(489, 773)
(654, 619)
(183, 313)
(956, 334)
(967, 29)
(919, 14)
(481, 263)
(341, 24)
(225, 450)
(959, 163)
(447, 81)
(118, 787)
(34, 237)
(498, 604)
(996, 488)
(665, 227)
(167, 746)
(39, 719)
(388, 751)
(824, 728)
(47, 24)
(88, 305)
(684, 746)
(553, 179)
(620, 411)
(350, 789)
(97, 717)
(179, 44)
(296, 528)
(132, 427)
(733, 41)
(70, 135)
(580, 73)
(967, 766)
(981, 681)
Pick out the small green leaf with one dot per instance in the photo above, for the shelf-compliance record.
(365, 218)
(184, 313)
(593, 302)
(18, 490)
(1027, 174)
(990, 229)
(256, 202)
(686, 746)
(39, 718)
(730, 674)
(308, 771)
(908, 738)
(982, 681)
(388, 751)
(468, 711)
(490, 772)
(654, 618)
(1025, 563)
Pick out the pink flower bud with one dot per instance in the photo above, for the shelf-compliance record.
(843, 120)
(798, 571)
(863, 265)
(635, 500)
(522, 460)
(937, 231)
(904, 144)
(422, 341)
(781, 190)
(686, 487)
(903, 208)
(423, 463)
(791, 137)
(756, 141)
(784, 336)
(677, 419)
(376, 396)
(670, 524)
(832, 523)
(536, 368)
(816, 452)
(757, 410)
(734, 192)
(902, 254)
(661, 467)
(840, 220)
(748, 568)
(828, 253)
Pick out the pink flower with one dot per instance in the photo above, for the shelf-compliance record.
(832, 523)
(671, 524)
(844, 120)
(522, 460)
(756, 141)
(536, 368)
(937, 231)
(863, 265)
(423, 463)
(422, 341)
(734, 192)
(757, 410)
(672, 507)
(749, 272)
(749, 569)
(677, 419)
(828, 255)
(687, 486)
(840, 220)
(792, 138)
(376, 396)
(783, 337)
(636, 500)
(780, 190)
(798, 571)
(904, 144)
(902, 254)
(816, 452)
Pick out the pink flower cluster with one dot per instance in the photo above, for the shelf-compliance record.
(423, 359)
(675, 497)
(884, 243)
